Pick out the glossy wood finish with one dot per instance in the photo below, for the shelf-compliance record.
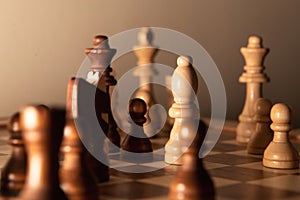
(100, 56)
(280, 153)
(184, 110)
(42, 133)
(145, 53)
(136, 141)
(76, 179)
(253, 76)
(192, 181)
(263, 134)
(14, 172)
(90, 128)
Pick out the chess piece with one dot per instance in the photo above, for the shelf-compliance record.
(280, 153)
(254, 77)
(136, 140)
(145, 53)
(14, 172)
(76, 178)
(100, 56)
(91, 132)
(42, 133)
(263, 134)
(192, 182)
(170, 121)
(184, 110)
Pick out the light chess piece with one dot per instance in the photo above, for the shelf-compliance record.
(184, 110)
(263, 134)
(254, 77)
(280, 153)
(145, 53)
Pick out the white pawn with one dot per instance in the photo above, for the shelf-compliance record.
(263, 135)
(184, 110)
(280, 153)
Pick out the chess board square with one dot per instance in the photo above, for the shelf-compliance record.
(220, 182)
(230, 159)
(259, 166)
(280, 182)
(162, 181)
(118, 163)
(122, 172)
(240, 174)
(115, 179)
(157, 164)
(134, 190)
(211, 165)
(224, 147)
(251, 192)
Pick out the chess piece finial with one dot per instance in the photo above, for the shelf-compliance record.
(184, 110)
(254, 42)
(136, 140)
(42, 133)
(145, 37)
(254, 77)
(100, 42)
(280, 153)
(14, 172)
(100, 55)
(76, 178)
(263, 135)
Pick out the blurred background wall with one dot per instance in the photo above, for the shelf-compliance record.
(42, 44)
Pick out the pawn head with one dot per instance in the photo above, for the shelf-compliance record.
(34, 117)
(263, 107)
(137, 111)
(281, 114)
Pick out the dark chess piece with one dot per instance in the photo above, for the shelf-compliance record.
(100, 56)
(90, 129)
(14, 172)
(263, 134)
(76, 179)
(192, 182)
(136, 141)
(42, 133)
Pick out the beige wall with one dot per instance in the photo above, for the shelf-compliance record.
(42, 43)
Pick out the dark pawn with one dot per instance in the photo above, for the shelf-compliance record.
(14, 172)
(42, 133)
(192, 182)
(76, 178)
(136, 140)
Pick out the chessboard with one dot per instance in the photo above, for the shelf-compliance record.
(235, 173)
